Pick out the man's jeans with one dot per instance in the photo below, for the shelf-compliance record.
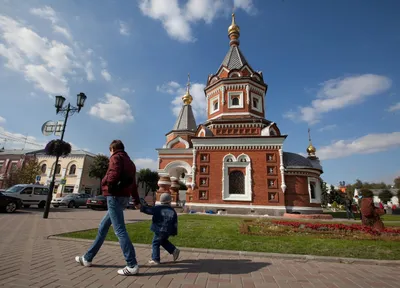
(114, 216)
(349, 213)
(161, 240)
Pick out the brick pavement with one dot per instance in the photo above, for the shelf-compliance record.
(29, 259)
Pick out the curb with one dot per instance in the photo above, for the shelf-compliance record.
(298, 257)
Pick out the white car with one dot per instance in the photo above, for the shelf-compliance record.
(29, 194)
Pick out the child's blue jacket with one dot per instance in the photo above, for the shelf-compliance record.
(165, 219)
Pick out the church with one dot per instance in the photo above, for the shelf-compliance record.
(235, 161)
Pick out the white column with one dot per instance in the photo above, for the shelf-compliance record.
(78, 180)
(223, 94)
(194, 168)
(282, 168)
(248, 94)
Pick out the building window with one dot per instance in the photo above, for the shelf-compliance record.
(314, 190)
(270, 157)
(68, 189)
(58, 169)
(204, 157)
(43, 168)
(256, 102)
(203, 195)
(204, 169)
(271, 183)
(72, 169)
(271, 170)
(235, 99)
(273, 197)
(236, 182)
(214, 104)
(203, 181)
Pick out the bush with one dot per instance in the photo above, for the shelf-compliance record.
(58, 148)
(385, 196)
(366, 193)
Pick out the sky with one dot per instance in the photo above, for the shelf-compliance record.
(331, 66)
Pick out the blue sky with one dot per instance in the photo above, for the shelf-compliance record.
(330, 65)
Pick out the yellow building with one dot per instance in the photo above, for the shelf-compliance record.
(73, 169)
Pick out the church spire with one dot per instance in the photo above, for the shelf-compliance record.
(187, 98)
(234, 32)
(310, 149)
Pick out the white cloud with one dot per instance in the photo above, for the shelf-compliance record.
(127, 90)
(327, 128)
(2, 120)
(113, 109)
(177, 20)
(394, 107)
(124, 28)
(339, 93)
(106, 75)
(10, 140)
(199, 104)
(46, 63)
(367, 144)
(62, 31)
(143, 163)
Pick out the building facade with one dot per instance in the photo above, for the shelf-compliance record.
(74, 169)
(11, 160)
(235, 159)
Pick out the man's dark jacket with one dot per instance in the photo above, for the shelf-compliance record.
(119, 167)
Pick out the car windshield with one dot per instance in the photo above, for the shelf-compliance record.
(69, 196)
(15, 189)
(1, 194)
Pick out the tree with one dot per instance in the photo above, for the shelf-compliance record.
(27, 174)
(11, 179)
(148, 179)
(396, 182)
(98, 168)
(385, 196)
(324, 193)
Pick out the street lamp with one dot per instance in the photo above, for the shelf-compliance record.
(67, 111)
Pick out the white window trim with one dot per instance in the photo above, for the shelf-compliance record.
(318, 191)
(247, 196)
(232, 93)
(260, 102)
(212, 101)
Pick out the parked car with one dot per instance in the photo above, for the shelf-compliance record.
(9, 204)
(2, 190)
(97, 203)
(71, 200)
(30, 194)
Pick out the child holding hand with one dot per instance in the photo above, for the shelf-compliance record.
(164, 224)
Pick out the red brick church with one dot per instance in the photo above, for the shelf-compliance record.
(235, 160)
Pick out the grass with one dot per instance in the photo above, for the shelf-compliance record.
(215, 232)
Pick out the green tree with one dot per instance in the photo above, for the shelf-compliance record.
(324, 193)
(98, 168)
(148, 179)
(385, 196)
(11, 179)
(27, 174)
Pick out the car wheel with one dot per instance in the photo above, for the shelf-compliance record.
(76, 206)
(56, 206)
(41, 205)
(11, 207)
(71, 204)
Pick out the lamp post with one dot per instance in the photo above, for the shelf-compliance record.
(67, 111)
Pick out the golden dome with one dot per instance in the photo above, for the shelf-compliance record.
(187, 98)
(233, 28)
(311, 149)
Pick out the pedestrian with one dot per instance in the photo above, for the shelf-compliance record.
(370, 213)
(117, 186)
(164, 224)
(349, 204)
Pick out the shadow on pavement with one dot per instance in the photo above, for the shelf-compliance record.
(210, 266)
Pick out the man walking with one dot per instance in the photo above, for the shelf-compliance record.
(118, 185)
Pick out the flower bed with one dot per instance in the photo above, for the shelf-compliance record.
(321, 230)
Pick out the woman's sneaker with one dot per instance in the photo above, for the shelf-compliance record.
(176, 254)
(81, 260)
(129, 271)
(154, 262)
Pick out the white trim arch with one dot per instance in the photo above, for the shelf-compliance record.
(73, 162)
(236, 163)
(177, 140)
(175, 165)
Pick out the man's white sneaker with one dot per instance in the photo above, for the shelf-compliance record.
(176, 254)
(129, 271)
(153, 262)
(81, 260)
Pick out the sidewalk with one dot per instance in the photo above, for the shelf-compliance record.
(29, 259)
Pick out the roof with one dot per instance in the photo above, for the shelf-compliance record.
(376, 192)
(186, 120)
(296, 160)
(73, 152)
(234, 59)
(16, 151)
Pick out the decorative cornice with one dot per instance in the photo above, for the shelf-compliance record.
(242, 125)
(188, 156)
(241, 84)
(174, 151)
(235, 114)
(238, 143)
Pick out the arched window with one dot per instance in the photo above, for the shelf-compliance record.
(236, 182)
(312, 190)
(229, 160)
(255, 102)
(58, 169)
(72, 169)
(235, 101)
(215, 105)
(43, 168)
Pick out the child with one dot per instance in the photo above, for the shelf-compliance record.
(164, 224)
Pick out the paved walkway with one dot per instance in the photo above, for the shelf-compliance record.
(29, 259)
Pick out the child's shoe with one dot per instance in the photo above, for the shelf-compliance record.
(176, 254)
(154, 262)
